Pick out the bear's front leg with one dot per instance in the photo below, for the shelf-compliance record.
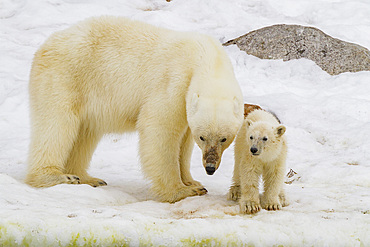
(159, 149)
(186, 149)
(234, 191)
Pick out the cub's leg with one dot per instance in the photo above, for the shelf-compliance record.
(81, 154)
(282, 198)
(249, 202)
(52, 137)
(186, 149)
(234, 192)
(273, 177)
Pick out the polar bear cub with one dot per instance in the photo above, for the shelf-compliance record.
(260, 149)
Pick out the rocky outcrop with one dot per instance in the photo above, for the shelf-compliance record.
(293, 42)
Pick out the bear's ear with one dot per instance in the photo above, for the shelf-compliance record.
(194, 101)
(280, 130)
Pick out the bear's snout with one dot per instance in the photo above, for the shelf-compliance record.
(211, 156)
(211, 159)
(210, 169)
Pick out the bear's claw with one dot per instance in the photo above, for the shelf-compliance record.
(94, 182)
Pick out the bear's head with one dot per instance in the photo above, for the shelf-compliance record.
(264, 139)
(214, 124)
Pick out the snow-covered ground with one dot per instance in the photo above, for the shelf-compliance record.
(328, 130)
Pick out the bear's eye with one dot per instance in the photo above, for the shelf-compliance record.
(201, 138)
(264, 139)
(251, 137)
(223, 140)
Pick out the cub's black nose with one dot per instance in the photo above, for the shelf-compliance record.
(210, 170)
(254, 150)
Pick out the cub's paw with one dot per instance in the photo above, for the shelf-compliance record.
(234, 193)
(271, 202)
(272, 206)
(249, 207)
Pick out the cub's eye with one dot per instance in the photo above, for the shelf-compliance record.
(264, 139)
(251, 137)
(223, 140)
(201, 138)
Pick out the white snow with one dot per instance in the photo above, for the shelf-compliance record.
(328, 130)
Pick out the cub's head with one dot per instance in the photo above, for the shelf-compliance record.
(264, 140)
(214, 124)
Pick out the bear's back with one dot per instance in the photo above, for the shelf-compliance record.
(96, 35)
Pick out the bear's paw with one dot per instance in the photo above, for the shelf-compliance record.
(249, 207)
(51, 178)
(181, 193)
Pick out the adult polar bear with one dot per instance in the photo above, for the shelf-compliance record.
(111, 74)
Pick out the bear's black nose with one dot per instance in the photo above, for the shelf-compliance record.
(210, 170)
(254, 150)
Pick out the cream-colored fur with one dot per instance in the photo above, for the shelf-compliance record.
(260, 149)
(111, 74)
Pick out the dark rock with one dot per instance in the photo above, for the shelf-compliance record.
(293, 42)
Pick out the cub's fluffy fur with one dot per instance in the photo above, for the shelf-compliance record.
(260, 149)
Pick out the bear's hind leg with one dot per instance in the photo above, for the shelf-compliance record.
(52, 139)
(80, 156)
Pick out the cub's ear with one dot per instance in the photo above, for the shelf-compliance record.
(280, 130)
(248, 123)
